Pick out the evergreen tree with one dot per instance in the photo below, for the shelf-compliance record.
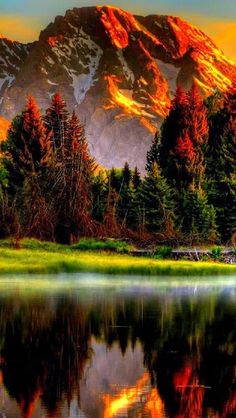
(125, 197)
(183, 140)
(99, 195)
(57, 124)
(157, 203)
(221, 165)
(71, 184)
(136, 179)
(28, 144)
(198, 130)
(115, 179)
(196, 219)
(172, 129)
(29, 151)
(153, 153)
(126, 175)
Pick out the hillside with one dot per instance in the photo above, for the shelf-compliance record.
(117, 70)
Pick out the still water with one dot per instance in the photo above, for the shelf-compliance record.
(90, 346)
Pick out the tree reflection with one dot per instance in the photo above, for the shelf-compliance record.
(188, 343)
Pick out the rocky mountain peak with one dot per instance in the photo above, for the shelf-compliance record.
(118, 71)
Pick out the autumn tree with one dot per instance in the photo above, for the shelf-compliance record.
(57, 124)
(28, 144)
(28, 151)
(172, 130)
(71, 181)
(184, 138)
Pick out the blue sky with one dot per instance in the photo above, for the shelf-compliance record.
(23, 19)
(223, 9)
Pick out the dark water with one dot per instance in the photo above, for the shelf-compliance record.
(108, 347)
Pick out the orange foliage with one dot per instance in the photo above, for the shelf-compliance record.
(4, 126)
(184, 148)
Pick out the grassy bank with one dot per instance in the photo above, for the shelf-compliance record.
(33, 257)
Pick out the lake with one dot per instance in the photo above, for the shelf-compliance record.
(95, 346)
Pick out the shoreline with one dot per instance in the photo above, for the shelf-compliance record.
(43, 261)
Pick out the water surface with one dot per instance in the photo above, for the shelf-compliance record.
(76, 346)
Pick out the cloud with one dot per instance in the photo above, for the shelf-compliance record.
(20, 28)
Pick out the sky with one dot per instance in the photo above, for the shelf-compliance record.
(23, 19)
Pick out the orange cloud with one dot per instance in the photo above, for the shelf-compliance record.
(20, 28)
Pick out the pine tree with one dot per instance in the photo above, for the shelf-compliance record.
(221, 164)
(157, 202)
(71, 185)
(136, 179)
(57, 124)
(196, 220)
(126, 175)
(28, 144)
(172, 129)
(153, 153)
(99, 196)
(115, 179)
(198, 131)
(29, 151)
(184, 137)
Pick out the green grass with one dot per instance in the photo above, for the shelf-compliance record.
(52, 258)
(85, 244)
(92, 244)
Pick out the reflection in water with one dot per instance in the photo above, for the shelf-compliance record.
(118, 354)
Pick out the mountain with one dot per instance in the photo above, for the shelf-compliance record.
(12, 57)
(117, 70)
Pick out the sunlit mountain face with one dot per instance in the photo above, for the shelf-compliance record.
(117, 70)
(105, 354)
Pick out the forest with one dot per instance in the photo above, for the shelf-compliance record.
(52, 189)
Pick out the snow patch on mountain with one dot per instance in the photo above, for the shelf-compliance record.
(127, 71)
(83, 82)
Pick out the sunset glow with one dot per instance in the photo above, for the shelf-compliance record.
(23, 21)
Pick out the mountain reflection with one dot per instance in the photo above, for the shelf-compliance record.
(165, 355)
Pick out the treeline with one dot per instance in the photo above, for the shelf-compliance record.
(52, 189)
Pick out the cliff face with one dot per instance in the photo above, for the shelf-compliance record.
(117, 70)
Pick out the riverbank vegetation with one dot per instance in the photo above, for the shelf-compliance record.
(45, 257)
(53, 190)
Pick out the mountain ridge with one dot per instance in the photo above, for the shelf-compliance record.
(117, 70)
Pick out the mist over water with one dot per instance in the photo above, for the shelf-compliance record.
(95, 346)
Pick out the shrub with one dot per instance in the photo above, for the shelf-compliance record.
(216, 253)
(90, 244)
(163, 252)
